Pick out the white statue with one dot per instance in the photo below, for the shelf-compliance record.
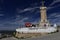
(55, 25)
(47, 24)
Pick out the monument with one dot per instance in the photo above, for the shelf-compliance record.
(44, 26)
(44, 20)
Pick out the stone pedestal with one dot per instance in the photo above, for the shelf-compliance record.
(29, 35)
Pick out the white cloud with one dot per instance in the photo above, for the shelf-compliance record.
(55, 1)
(20, 22)
(27, 9)
(34, 8)
(35, 22)
(24, 19)
(55, 15)
(48, 8)
(1, 14)
(52, 15)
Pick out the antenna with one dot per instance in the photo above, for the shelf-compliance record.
(42, 2)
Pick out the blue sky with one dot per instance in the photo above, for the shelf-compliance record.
(14, 13)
